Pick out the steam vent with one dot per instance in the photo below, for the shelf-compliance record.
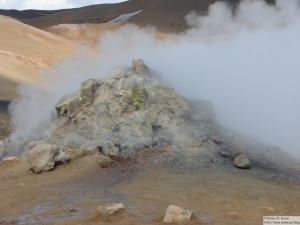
(132, 114)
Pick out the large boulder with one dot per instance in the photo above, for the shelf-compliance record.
(177, 214)
(43, 158)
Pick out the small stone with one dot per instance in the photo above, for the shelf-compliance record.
(105, 162)
(109, 209)
(10, 159)
(139, 66)
(242, 162)
(109, 149)
(177, 214)
(225, 154)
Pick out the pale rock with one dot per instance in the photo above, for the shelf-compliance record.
(44, 157)
(109, 209)
(177, 214)
(10, 159)
(242, 162)
(129, 109)
(109, 149)
(104, 162)
(139, 66)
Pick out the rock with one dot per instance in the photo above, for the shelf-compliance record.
(62, 157)
(44, 157)
(176, 214)
(75, 152)
(139, 97)
(10, 159)
(129, 109)
(242, 162)
(225, 154)
(88, 89)
(104, 162)
(109, 209)
(139, 66)
(109, 149)
(68, 105)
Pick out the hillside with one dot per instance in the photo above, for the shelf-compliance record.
(24, 50)
(166, 15)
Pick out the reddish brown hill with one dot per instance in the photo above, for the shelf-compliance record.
(166, 15)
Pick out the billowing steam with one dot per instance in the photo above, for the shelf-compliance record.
(245, 61)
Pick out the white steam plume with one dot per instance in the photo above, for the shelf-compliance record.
(246, 62)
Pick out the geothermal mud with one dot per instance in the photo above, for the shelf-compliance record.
(71, 194)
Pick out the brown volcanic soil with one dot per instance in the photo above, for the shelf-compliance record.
(86, 34)
(166, 15)
(70, 194)
(24, 51)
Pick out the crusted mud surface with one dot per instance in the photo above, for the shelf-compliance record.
(71, 194)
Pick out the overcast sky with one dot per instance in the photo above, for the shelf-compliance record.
(49, 4)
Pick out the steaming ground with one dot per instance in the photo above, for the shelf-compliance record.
(245, 62)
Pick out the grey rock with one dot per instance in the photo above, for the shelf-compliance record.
(225, 154)
(11, 159)
(43, 158)
(110, 209)
(104, 162)
(176, 214)
(109, 149)
(139, 66)
(130, 108)
(242, 162)
(88, 89)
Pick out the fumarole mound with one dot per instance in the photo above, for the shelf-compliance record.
(132, 111)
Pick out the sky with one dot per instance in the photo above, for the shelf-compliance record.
(49, 4)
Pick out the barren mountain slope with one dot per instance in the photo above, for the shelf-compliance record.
(166, 15)
(83, 33)
(24, 50)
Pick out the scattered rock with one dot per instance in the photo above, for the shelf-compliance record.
(10, 159)
(109, 149)
(225, 154)
(177, 214)
(43, 158)
(104, 162)
(242, 162)
(109, 209)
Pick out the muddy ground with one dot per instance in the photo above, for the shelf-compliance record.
(71, 193)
